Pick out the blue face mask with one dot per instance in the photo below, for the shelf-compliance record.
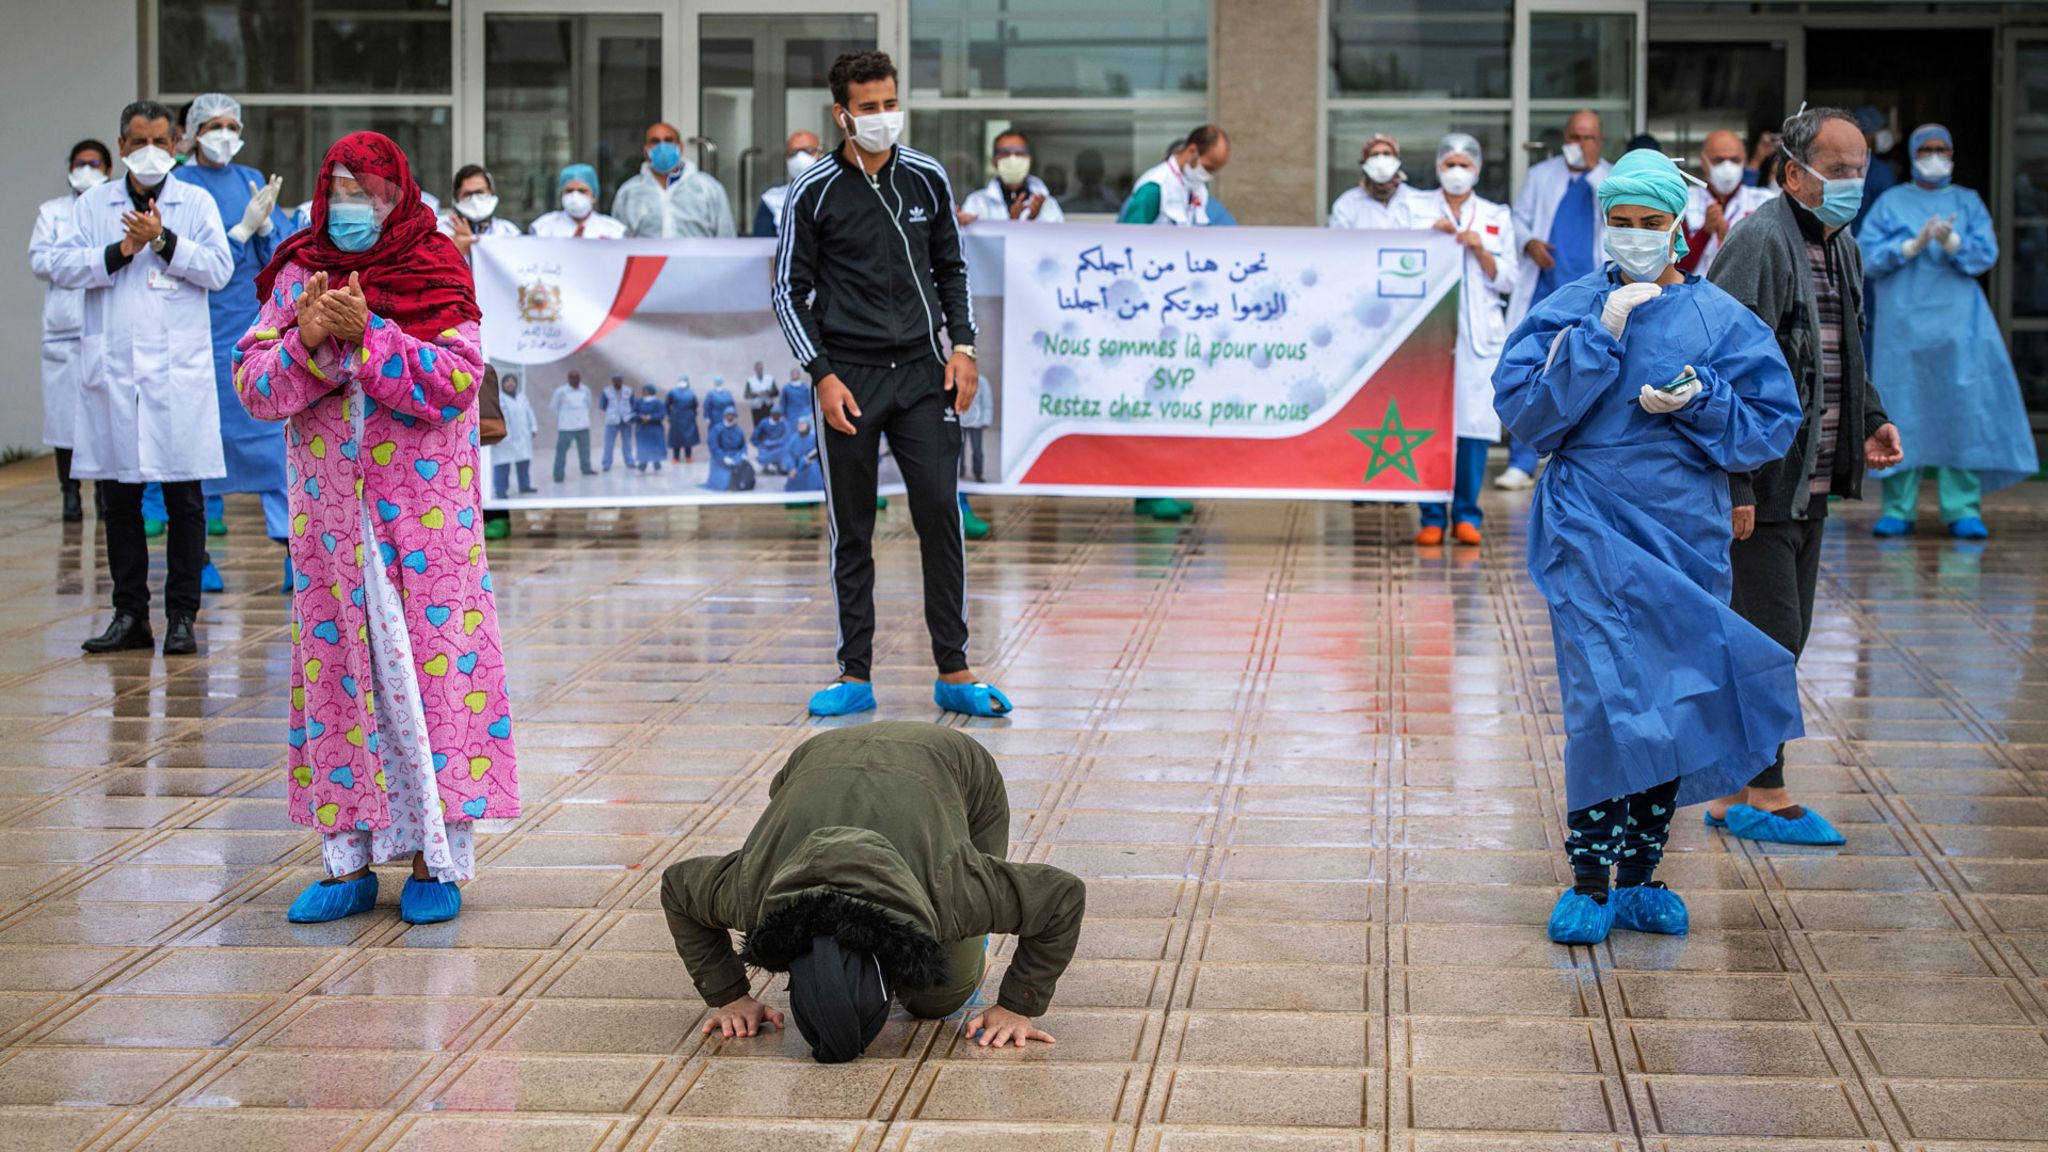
(352, 227)
(1839, 199)
(664, 157)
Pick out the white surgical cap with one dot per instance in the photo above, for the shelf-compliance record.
(210, 105)
(1459, 144)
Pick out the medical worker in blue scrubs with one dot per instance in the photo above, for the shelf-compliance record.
(1646, 387)
(255, 225)
(1937, 356)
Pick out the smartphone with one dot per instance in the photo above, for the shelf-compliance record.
(1684, 378)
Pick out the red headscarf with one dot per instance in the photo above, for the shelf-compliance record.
(413, 275)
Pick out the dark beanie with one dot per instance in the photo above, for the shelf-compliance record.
(839, 998)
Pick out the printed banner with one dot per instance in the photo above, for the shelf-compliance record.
(1120, 361)
(663, 338)
(1218, 362)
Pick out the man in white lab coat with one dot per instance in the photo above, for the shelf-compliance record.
(147, 250)
(63, 309)
(1558, 220)
(1721, 204)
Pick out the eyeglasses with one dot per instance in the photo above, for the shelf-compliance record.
(1012, 151)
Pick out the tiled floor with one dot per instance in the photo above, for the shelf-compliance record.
(1309, 773)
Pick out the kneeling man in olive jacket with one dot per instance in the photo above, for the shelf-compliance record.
(877, 870)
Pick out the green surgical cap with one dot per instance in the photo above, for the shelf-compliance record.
(1646, 178)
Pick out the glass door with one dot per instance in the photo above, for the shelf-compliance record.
(1573, 54)
(756, 77)
(545, 88)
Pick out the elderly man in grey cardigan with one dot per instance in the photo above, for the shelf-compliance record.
(1795, 264)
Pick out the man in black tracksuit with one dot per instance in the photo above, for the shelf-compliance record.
(867, 270)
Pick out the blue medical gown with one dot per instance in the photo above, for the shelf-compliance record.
(796, 402)
(254, 448)
(804, 473)
(728, 446)
(771, 443)
(648, 414)
(716, 402)
(1629, 535)
(1937, 356)
(682, 417)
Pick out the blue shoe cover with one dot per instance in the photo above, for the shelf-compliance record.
(843, 699)
(1891, 526)
(1644, 908)
(976, 699)
(324, 901)
(287, 589)
(209, 579)
(1713, 821)
(1580, 919)
(428, 901)
(1757, 824)
(1970, 528)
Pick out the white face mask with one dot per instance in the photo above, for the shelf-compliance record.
(578, 204)
(798, 164)
(1933, 168)
(1012, 170)
(477, 207)
(221, 144)
(1642, 253)
(150, 164)
(1457, 180)
(1885, 140)
(878, 132)
(1574, 154)
(1726, 176)
(1195, 173)
(1381, 169)
(86, 177)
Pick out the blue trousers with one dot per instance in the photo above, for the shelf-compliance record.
(623, 437)
(1471, 475)
(1521, 456)
(277, 510)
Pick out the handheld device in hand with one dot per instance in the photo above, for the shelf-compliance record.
(1685, 378)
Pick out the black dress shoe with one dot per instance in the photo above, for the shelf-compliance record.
(124, 634)
(74, 509)
(178, 638)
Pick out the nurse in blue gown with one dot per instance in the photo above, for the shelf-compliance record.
(717, 402)
(1937, 355)
(682, 420)
(771, 442)
(255, 226)
(650, 414)
(1670, 697)
(727, 450)
(805, 475)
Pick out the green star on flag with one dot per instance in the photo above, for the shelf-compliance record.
(1392, 444)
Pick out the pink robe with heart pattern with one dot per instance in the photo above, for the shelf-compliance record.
(414, 468)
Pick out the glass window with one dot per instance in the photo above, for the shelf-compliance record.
(291, 141)
(263, 47)
(1581, 61)
(1417, 132)
(2030, 360)
(1088, 160)
(1697, 88)
(1056, 48)
(1448, 49)
(566, 89)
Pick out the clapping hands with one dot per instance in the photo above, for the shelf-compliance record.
(326, 312)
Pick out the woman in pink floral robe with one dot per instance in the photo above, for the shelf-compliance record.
(366, 347)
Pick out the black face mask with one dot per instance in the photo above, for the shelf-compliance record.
(839, 998)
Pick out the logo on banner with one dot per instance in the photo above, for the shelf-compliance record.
(1404, 273)
(540, 302)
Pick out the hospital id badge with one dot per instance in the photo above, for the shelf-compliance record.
(160, 280)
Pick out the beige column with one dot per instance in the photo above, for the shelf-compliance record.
(1264, 82)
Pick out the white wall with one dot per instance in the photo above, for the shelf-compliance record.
(66, 68)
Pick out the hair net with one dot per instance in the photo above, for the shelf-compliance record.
(1650, 180)
(839, 998)
(1459, 144)
(210, 105)
(1383, 138)
(1926, 132)
(583, 172)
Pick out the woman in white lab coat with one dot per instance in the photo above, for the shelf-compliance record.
(63, 310)
(1486, 239)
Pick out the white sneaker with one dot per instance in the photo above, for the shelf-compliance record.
(1514, 480)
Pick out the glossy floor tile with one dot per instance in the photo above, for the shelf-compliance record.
(1312, 776)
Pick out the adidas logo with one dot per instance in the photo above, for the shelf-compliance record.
(917, 214)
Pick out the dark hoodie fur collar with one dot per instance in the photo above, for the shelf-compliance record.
(910, 957)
